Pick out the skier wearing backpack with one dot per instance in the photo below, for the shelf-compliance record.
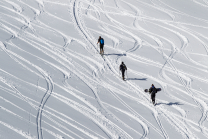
(153, 92)
(123, 68)
(101, 41)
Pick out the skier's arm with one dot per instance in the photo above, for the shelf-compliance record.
(150, 90)
(98, 41)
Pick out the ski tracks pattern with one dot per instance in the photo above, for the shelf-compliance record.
(63, 57)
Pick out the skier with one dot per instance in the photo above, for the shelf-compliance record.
(101, 41)
(122, 69)
(153, 92)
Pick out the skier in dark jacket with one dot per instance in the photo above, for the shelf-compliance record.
(153, 92)
(122, 69)
(101, 41)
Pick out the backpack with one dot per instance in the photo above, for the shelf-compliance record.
(123, 67)
(101, 41)
(152, 90)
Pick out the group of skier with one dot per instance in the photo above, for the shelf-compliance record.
(122, 68)
(152, 90)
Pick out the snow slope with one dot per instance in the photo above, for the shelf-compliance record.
(55, 84)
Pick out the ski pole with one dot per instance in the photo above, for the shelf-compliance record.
(98, 48)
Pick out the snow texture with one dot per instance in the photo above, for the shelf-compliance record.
(55, 84)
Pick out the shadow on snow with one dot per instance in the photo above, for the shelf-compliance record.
(137, 79)
(115, 54)
(171, 103)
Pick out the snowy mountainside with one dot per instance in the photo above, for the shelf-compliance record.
(55, 84)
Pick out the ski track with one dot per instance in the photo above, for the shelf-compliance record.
(47, 111)
(92, 69)
(81, 29)
(179, 77)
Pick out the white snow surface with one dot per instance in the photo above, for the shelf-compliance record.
(54, 84)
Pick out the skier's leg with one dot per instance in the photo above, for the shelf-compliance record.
(102, 49)
(153, 100)
(123, 74)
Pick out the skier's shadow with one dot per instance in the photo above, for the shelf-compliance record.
(115, 54)
(171, 103)
(144, 79)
